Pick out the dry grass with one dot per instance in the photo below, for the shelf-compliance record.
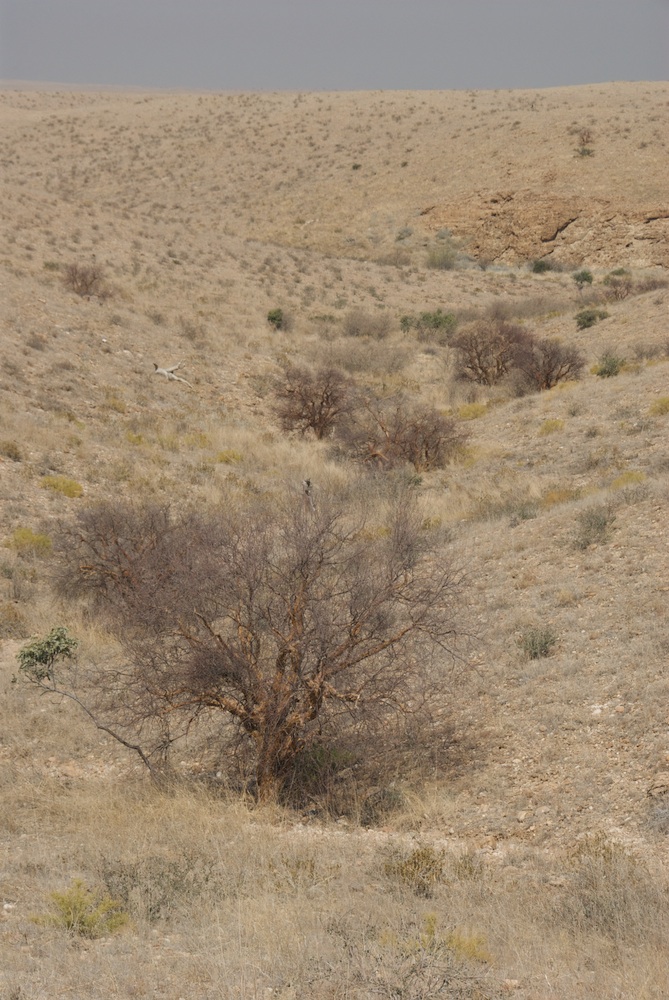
(548, 874)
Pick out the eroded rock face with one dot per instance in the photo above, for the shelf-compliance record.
(514, 226)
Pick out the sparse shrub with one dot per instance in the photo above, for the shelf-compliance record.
(442, 258)
(420, 871)
(275, 318)
(658, 816)
(546, 362)
(313, 400)
(613, 893)
(538, 642)
(626, 479)
(25, 541)
(551, 427)
(358, 323)
(10, 449)
(153, 887)
(229, 456)
(91, 913)
(588, 317)
(647, 352)
(380, 804)
(609, 365)
(84, 280)
(659, 407)
(195, 332)
(62, 484)
(619, 284)
(12, 622)
(593, 526)
(558, 494)
(489, 349)
(582, 278)
(468, 866)
(472, 411)
(389, 432)
(315, 773)
(404, 233)
(468, 946)
(542, 265)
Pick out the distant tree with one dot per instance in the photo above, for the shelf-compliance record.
(582, 278)
(84, 280)
(545, 362)
(316, 400)
(488, 349)
(393, 431)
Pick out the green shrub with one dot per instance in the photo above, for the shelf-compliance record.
(37, 659)
(537, 642)
(433, 327)
(62, 484)
(588, 317)
(582, 278)
(541, 266)
(275, 318)
(91, 913)
(609, 365)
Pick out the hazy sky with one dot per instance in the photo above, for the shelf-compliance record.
(334, 44)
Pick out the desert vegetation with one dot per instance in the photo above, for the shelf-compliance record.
(339, 670)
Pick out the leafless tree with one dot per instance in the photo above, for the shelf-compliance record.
(84, 280)
(389, 432)
(313, 400)
(545, 362)
(278, 617)
(488, 349)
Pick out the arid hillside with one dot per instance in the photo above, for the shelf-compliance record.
(518, 845)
